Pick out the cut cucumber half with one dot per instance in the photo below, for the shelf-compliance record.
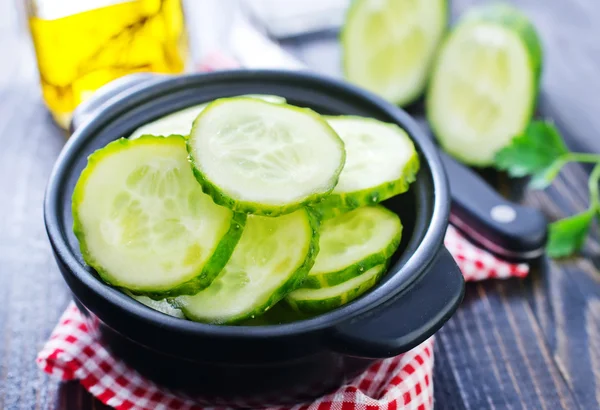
(388, 45)
(313, 301)
(353, 243)
(180, 122)
(484, 84)
(161, 305)
(143, 222)
(381, 162)
(271, 259)
(263, 158)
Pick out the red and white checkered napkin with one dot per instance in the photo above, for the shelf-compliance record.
(478, 264)
(401, 382)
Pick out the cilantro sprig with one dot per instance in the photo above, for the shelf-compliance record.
(540, 152)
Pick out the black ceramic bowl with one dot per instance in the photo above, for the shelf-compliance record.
(267, 364)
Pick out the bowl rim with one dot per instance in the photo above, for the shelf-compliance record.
(412, 269)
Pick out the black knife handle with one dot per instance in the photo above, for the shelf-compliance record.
(503, 227)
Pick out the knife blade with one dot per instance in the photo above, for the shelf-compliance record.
(505, 228)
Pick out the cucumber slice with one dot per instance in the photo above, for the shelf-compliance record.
(279, 314)
(180, 122)
(272, 258)
(263, 158)
(143, 222)
(388, 45)
(161, 305)
(381, 162)
(312, 301)
(353, 243)
(484, 84)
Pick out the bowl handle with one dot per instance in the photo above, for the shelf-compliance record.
(107, 92)
(406, 320)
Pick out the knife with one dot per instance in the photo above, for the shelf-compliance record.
(507, 229)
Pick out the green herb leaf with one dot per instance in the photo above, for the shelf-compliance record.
(539, 151)
(568, 235)
(544, 178)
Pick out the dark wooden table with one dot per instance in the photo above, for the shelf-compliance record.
(519, 344)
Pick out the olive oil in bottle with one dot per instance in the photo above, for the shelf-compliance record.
(82, 45)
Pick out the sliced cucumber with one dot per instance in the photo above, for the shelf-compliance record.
(143, 222)
(484, 84)
(263, 158)
(180, 122)
(271, 259)
(388, 45)
(381, 162)
(161, 305)
(279, 314)
(353, 243)
(311, 301)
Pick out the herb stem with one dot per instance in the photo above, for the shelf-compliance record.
(593, 182)
(582, 157)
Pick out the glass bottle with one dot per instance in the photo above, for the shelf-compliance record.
(81, 45)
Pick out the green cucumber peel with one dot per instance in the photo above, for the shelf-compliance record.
(236, 201)
(316, 301)
(190, 282)
(367, 139)
(495, 102)
(388, 49)
(196, 307)
(384, 238)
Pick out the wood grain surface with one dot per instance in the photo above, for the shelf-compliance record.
(515, 344)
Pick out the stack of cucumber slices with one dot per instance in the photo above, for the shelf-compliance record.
(221, 211)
